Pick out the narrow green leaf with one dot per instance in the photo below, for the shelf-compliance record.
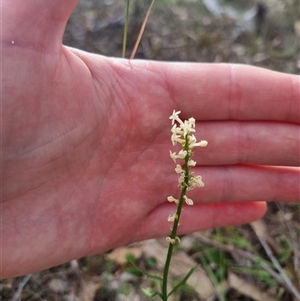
(184, 280)
(148, 293)
(130, 257)
(155, 277)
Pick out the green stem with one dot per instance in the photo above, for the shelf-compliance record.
(176, 223)
(125, 29)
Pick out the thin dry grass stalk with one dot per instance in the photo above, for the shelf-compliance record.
(137, 43)
(20, 287)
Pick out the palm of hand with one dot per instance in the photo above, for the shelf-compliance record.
(97, 147)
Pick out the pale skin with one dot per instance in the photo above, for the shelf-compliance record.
(86, 140)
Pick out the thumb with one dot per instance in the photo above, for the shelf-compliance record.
(34, 23)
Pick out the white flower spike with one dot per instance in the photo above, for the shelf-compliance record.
(182, 133)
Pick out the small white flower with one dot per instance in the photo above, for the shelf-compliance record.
(178, 169)
(181, 179)
(192, 122)
(177, 135)
(192, 163)
(174, 117)
(173, 156)
(172, 217)
(181, 155)
(202, 143)
(187, 128)
(175, 138)
(170, 240)
(192, 139)
(196, 181)
(188, 201)
(171, 199)
(177, 130)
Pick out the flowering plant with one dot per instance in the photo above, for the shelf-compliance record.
(182, 133)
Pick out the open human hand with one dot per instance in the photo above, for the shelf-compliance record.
(86, 140)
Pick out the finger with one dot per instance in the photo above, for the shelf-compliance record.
(199, 217)
(35, 23)
(262, 143)
(245, 183)
(219, 91)
(234, 92)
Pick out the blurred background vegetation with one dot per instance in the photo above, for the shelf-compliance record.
(255, 262)
(264, 33)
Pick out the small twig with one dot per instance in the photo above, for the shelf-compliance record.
(20, 287)
(141, 31)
